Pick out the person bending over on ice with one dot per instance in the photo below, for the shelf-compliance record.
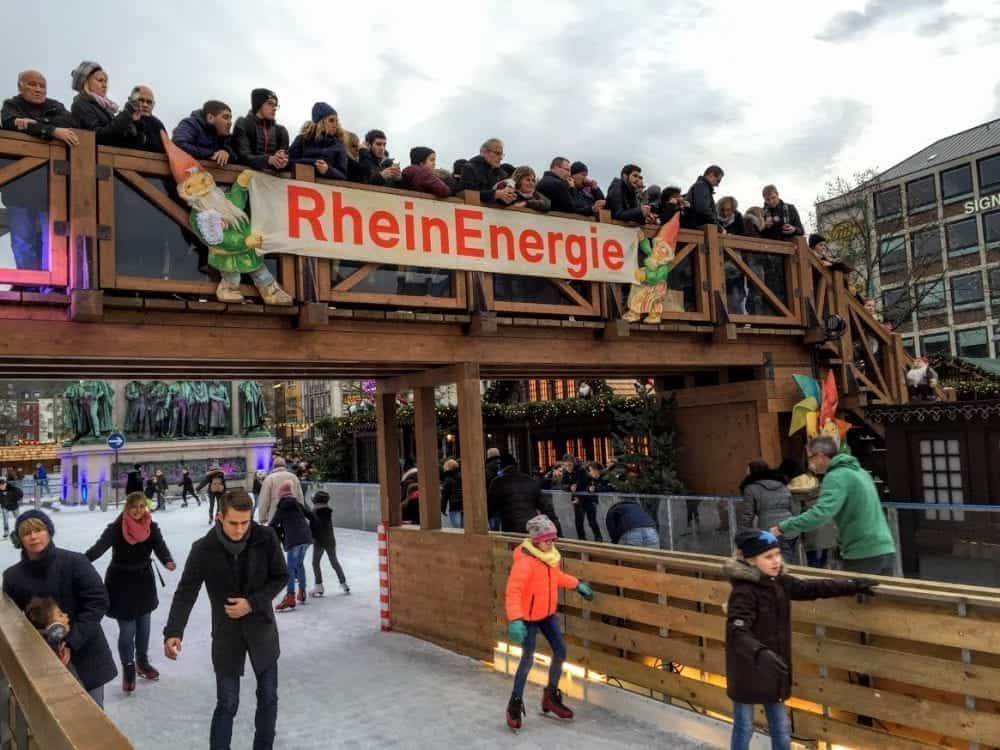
(759, 632)
(532, 598)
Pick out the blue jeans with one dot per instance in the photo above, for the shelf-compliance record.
(13, 515)
(133, 639)
(553, 634)
(816, 558)
(640, 538)
(777, 724)
(29, 237)
(227, 692)
(456, 519)
(297, 567)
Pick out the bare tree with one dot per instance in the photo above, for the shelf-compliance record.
(10, 431)
(846, 216)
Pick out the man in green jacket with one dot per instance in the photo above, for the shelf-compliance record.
(848, 496)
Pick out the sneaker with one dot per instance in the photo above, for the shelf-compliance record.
(147, 671)
(346, 588)
(317, 590)
(287, 604)
(552, 702)
(128, 678)
(515, 710)
(301, 596)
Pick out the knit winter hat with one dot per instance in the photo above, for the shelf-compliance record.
(577, 167)
(321, 497)
(815, 239)
(40, 515)
(753, 542)
(419, 154)
(83, 71)
(285, 489)
(322, 110)
(541, 529)
(259, 96)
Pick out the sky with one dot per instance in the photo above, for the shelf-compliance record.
(785, 92)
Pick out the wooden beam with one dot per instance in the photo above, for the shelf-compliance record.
(388, 459)
(429, 478)
(437, 376)
(473, 450)
(82, 203)
(763, 288)
(19, 168)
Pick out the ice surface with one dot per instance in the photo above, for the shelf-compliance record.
(342, 682)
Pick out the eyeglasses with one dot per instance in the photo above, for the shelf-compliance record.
(495, 152)
(143, 100)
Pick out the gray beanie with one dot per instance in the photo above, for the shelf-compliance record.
(82, 72)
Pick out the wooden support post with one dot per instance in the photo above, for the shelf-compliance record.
(425, 434)
(83, 210)
(313, 316)
(842, 308)
(470, 429)
(805, 285)
(716, 274)
(388, 458)
(769, 436)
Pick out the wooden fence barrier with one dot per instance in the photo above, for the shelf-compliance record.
(916, 666)
(43, 706)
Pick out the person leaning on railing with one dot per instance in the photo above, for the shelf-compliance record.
(420, 174)
(587, 195)
(205, 133)
(130, 126)
(623, 197)
(702, 210)
(258, 140)
(32, 112)
(781, 220)
(368, 168)
(482, 173)
(318, 145)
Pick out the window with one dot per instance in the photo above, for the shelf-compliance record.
(888, 203)
(995, 283)
(892, 254)
(896, 303)
(989, 173)
(963, 237)
(941, 475)
(921, 194)
(936, 343)
(973, 342)
(967, 289)
(930, 298)
(991, 227)
(957, 182)
(910, 346)
(926, 245)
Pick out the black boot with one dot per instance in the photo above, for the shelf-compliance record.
(128, 678)
(515, 710)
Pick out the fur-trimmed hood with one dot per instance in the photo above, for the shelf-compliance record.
(761, 476)
(739, 570)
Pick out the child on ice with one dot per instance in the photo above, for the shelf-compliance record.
(532, 598)
(759, 632)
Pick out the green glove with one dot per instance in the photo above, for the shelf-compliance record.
(585, 591)
(517, 631)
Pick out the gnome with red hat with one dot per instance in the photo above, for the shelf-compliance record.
(220, 221)
(647, 297)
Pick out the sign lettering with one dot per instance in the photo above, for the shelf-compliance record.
(982, 204)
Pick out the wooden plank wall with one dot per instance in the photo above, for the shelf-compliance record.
(917, 666)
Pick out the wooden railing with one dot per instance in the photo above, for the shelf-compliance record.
(916, 666)
(42, 705)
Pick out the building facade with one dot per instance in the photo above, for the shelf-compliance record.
(935, 223)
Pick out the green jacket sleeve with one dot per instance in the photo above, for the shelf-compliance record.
(831, 499)
(237, 195)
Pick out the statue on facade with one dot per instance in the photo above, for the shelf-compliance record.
(89, 413)
(252, 409)
(220, 221)
(158, 404)
(137, 413)
(199, 392)
(218, 408)
(178, 409)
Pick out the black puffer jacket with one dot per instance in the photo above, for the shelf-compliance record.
(517, 498)
(292, 522)
(70, 579)
(129, 580)
(625, 516)
(117, 129)
(47, 116)
(10, 497)
(477, 174)
(257, 574)
(758, 619)
(703, 210)
(451, 492)
(767, 501)
(623, 202)
(253, 145)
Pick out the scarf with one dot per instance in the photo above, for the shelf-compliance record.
(108, 105)
(550, 558)
(728, 222)
(136, 532)
(233, 548)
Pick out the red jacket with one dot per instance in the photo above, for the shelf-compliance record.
(533, 587)
(417, 177)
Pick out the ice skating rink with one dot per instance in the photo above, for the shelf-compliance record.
(342, 682)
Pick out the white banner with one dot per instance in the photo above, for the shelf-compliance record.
(331, 221)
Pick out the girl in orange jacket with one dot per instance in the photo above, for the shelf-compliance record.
(531, 600)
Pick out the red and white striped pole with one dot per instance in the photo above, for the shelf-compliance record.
(383, 576)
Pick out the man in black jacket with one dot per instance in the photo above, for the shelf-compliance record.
(781, 220)
(10, 501)
(70, 579)
(259, 142)
(587, 196)
(516, 498)
(482, 173)
(134, 481)
(701, 200)
(32, 112)
(623, 197)
(368, 168)
(555, 185)
(243, 569)
(205, 133)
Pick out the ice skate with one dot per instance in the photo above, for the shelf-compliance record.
(317, 591)
(515, 710)
(128, 678)
(346, 588)
(552, 702)
(301, 596)
(147, 671)
(287, 604)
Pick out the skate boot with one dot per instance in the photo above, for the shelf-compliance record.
(552, 701)
(302, 596)
(317, 590)
(147, 671)
(128, 678)
(515, 710)
(345, 587)
(287, 604)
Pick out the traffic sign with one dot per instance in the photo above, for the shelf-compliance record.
(116, 441)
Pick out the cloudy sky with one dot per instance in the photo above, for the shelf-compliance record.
(785, 91)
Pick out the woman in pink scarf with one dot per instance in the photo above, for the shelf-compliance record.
(133, 537)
